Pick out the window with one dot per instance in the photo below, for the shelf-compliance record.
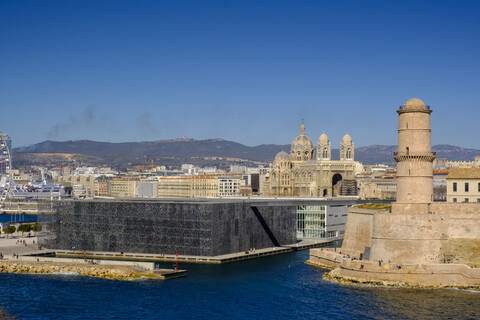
(466, 200)
(478, 200)
(325, 153)
(466, 186)
(454, 187)
(479, 187)
(454, 199)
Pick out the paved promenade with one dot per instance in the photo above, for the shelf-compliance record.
(232, 257)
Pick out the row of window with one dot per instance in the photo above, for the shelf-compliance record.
(466, 187)
(466, 200)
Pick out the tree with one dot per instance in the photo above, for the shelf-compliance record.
(9, 229)
(37, 227)
(25, 228)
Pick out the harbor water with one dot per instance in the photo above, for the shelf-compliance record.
(275, 287)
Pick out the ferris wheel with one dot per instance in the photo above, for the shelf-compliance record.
(5, 166)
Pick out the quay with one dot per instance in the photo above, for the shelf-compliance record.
(27, 258)
(220, 259)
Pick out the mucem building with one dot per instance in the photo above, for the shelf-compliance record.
(207, 227)
(200, 227)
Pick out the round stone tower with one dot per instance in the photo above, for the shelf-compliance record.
(414, 157)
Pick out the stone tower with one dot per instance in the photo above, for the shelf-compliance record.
(346, 148)
(414, 157)
(324, 148)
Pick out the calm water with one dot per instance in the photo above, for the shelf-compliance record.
(18, 218)
(270, 288)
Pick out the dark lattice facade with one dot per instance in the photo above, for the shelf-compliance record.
(205, 228)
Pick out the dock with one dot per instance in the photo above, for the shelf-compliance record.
(227, 258)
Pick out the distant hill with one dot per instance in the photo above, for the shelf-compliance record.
(217, 152)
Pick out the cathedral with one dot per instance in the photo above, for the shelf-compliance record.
(306, 173)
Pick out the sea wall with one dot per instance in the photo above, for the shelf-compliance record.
(358, 231)
(99, 271)
(353, 271)
(416, 275)
(411, 237)
(408, 238)
(202, 228)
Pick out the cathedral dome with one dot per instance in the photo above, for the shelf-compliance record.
(323, 139)
(414, 103)
(282, 156)
(347, 139)
(302, 142)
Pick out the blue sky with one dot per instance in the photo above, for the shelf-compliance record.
(246, 71)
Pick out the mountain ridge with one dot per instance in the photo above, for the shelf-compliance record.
(124, 154)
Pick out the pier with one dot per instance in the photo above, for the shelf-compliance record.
(227, 258)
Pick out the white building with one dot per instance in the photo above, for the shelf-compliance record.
(228, 187)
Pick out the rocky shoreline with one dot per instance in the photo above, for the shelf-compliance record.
(336, 276)
(98, 271)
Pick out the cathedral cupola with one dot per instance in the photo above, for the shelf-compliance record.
(324, 148)
(302, 148)
(346, 148)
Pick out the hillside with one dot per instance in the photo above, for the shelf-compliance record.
(211, 152)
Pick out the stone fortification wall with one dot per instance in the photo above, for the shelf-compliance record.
(358, 231)
(350, 270)
(411, 237)
(415, 275)
(454, 208)
(187, 228)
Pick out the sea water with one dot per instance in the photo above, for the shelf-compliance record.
(275, 287)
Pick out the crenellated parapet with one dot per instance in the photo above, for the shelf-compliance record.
(414, 157)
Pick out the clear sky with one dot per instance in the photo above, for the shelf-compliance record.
(246, 71)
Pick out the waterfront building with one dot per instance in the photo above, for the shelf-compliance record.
(463, 185)
(147, 188)
(305, 172)
(322, 219)
(188, 186)
(122, 187)
(196, 226)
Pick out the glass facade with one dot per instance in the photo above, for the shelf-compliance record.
(311, 222)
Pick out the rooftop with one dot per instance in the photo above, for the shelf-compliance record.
(464, 173)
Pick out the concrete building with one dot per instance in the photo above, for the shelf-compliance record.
(87, 181)
(147, 188)
(100, 186)
(190, 227)
(189, 186)
(228, 187)
(122, 187)
(309, 173)
(377, 185)
(463, 185)
(322, 219)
